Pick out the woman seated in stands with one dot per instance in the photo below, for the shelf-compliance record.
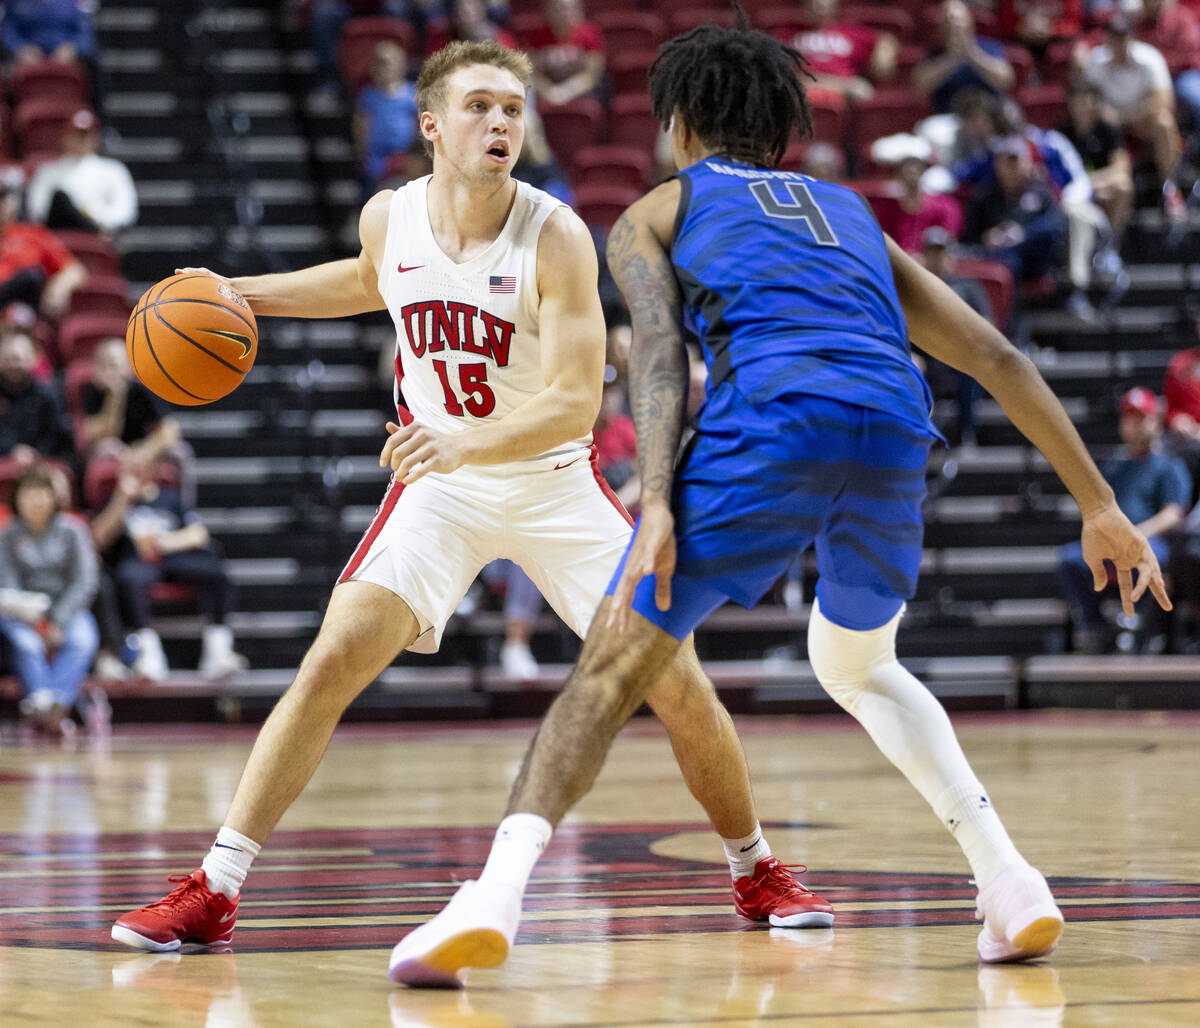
(47, 582)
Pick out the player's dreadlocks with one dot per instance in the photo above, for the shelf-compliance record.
(738, 89)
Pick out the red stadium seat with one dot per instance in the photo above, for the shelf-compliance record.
(601, 206)
(1044, 106)
(1056, 64)
(525, 25)
(828, 116)
(572, 126)
(632, 122)
(94, 252)
(1022, 64)
(887, 112)
(358, 41)
(99, 481)
(793, 158)
(624, 166)
(39, 124)
(874, 190)
(686, 19)
(102, 294)
(78, 374)
(881, 18)
(628, 71)
(51, 80)
(783, 22)
(907, 59)
(595, 8)
(79, 333)
(997, 282)
(630, 30)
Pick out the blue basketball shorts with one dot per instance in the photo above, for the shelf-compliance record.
(758, 484)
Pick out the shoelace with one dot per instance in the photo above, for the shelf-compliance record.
(776, 873)
(187, 894)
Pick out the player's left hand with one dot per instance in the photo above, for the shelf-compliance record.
(652, 553)
(1109, 535)
(414, 450)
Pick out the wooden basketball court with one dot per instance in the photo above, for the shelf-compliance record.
(628, 919)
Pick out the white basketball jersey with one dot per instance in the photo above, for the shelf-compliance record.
(467, 342)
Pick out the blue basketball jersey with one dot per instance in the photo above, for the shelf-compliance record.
(787, 283)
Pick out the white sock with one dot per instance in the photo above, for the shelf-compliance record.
(744, 854)
(228, 862)
(519, 842)
(966, 810)
(911, 729)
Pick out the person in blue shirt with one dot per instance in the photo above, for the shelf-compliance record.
(963, 61)
(1154, 491)
(36, 29)
(814, 430)
(385, 117)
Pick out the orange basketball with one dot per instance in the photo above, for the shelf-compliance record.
(191, 339)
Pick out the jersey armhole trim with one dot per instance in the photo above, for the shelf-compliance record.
(388, 244)
(685, 202)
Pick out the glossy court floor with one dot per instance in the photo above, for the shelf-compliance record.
(628, 920)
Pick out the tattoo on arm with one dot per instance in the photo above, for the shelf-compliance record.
(657, 359)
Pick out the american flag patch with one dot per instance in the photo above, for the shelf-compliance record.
(502, 284)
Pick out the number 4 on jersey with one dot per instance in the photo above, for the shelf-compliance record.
(803, 206)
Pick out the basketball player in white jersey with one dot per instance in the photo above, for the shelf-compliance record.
(499, 365)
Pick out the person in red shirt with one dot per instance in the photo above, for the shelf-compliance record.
(1181, 389)
(35, 268)
(907, 215)
(567, 54)
(844, 57)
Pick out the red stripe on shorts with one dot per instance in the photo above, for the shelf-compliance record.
(382, 513)
(606, 489)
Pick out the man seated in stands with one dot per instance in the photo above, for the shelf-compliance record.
(32, 422)
(1173, 29)
(845, 58)
(1035, 24)
(1152, 489)
(385, 115)
(937, 254)
(81, 189)
(35, 268)
(907, 215)
(33, 30)
(1135, 84)
(1016, 219)
(567, 54)
(963, 60)
(121, 412)
(1101, 147)
(147, 534)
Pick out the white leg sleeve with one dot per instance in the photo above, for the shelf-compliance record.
(860, 671)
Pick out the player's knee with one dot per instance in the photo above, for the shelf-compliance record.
(843, 659)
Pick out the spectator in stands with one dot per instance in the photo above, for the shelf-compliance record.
(1152, 490)
(567, 54)
(537, 165)
(616, 444)
(824, 161)
(121, 413)
(963, 60)
(845, 57)
(1016, 219)
(35, 268)
(81, 189)
(1173, 29)
(36, 29)
(1101, 148)
(147, 534)
(47, 554)
(937, 254)
(1181, 390)
(1135, 83)
(385, 115)
(32, 422)
(1035, 24)
(475, 21)
(907, 215)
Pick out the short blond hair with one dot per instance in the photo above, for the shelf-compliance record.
(439, 66)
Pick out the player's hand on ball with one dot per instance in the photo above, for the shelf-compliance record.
(652, 553)
(414, 450)
(204, 271)
(1109, 535)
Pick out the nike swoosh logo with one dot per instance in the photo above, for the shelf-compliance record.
(568, 464)
(747, 849)
(401, 268)
(228, 917)
(222, 845)
(237, 337)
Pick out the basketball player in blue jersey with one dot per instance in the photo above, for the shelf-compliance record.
(814, 430)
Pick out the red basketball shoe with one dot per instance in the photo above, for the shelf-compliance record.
(774, 894)
(192, 913)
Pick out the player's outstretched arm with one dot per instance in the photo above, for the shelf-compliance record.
(638, 257)
(335, 289)
(944, 326)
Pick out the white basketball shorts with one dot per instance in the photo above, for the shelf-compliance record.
(557, 519)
